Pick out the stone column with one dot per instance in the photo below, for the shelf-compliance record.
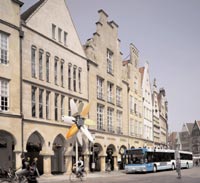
(47, 164)
(102, 163)
(115, 163)
(18, 159)
(68, 164)
(87, 162)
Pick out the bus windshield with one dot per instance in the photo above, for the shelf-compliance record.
(135, 156)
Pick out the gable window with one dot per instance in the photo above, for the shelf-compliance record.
(74, 78)
(41, 103)
(40, 64)
(33, 63)
(119, 96)
(69, 76)
(53, 31)
(33, 101)
(47, 104)
(79, 79)
(3, 48)
(110, 92)
(47, 66)
(62, 73)
(4, 95)
(109, 61)
(99, 88)
(65, 38)
(59, 34)
(100, 116)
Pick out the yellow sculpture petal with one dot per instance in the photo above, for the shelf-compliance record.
(72, 131)
(85, 110)
(90, 122)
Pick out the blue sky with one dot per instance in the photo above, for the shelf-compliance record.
(167, 35)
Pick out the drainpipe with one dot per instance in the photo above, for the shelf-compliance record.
(21, 35)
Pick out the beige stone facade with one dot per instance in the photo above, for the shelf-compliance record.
(10, 106)
(47, 67)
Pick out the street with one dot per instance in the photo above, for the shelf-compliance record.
(188, 175)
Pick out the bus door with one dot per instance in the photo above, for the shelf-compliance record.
(149, 161)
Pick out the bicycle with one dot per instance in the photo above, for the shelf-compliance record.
(76, 176)
(12, 177)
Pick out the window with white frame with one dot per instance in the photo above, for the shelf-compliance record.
(56, 106)
(74, 78)
(79, 79)
(53, 31)
(4, 95)
(41, 103)
(56, 71)
(110, 119)
(99, 88)
(100, 117)
(62, 72)
(47, 104)
(33, 62)
(109, 61)
(41, 64)
(69, 76)
(110, 92)
(33, 101)
(119, 122)
(3, 48)
(119, 96)
(47, 66)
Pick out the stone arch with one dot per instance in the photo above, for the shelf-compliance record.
(111, 153)
(7, 147)
(96, 153)
(122, 160)
(34, 146)
(57, 160)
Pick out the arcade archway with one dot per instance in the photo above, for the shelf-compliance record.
(95, 163)
(33, 148)
(110, 155)
(7, 146)
(58, 160)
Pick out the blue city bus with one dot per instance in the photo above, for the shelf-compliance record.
(152, 160)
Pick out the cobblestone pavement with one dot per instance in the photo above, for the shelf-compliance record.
(188, 176)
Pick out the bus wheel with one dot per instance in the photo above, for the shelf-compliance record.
(173, 167)
(154, 168)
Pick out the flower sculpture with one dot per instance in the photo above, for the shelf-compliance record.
(78, 121)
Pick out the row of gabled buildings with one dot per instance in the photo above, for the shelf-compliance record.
(43, 65)
(188, 139)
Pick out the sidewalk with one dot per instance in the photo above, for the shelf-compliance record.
(44, 179)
